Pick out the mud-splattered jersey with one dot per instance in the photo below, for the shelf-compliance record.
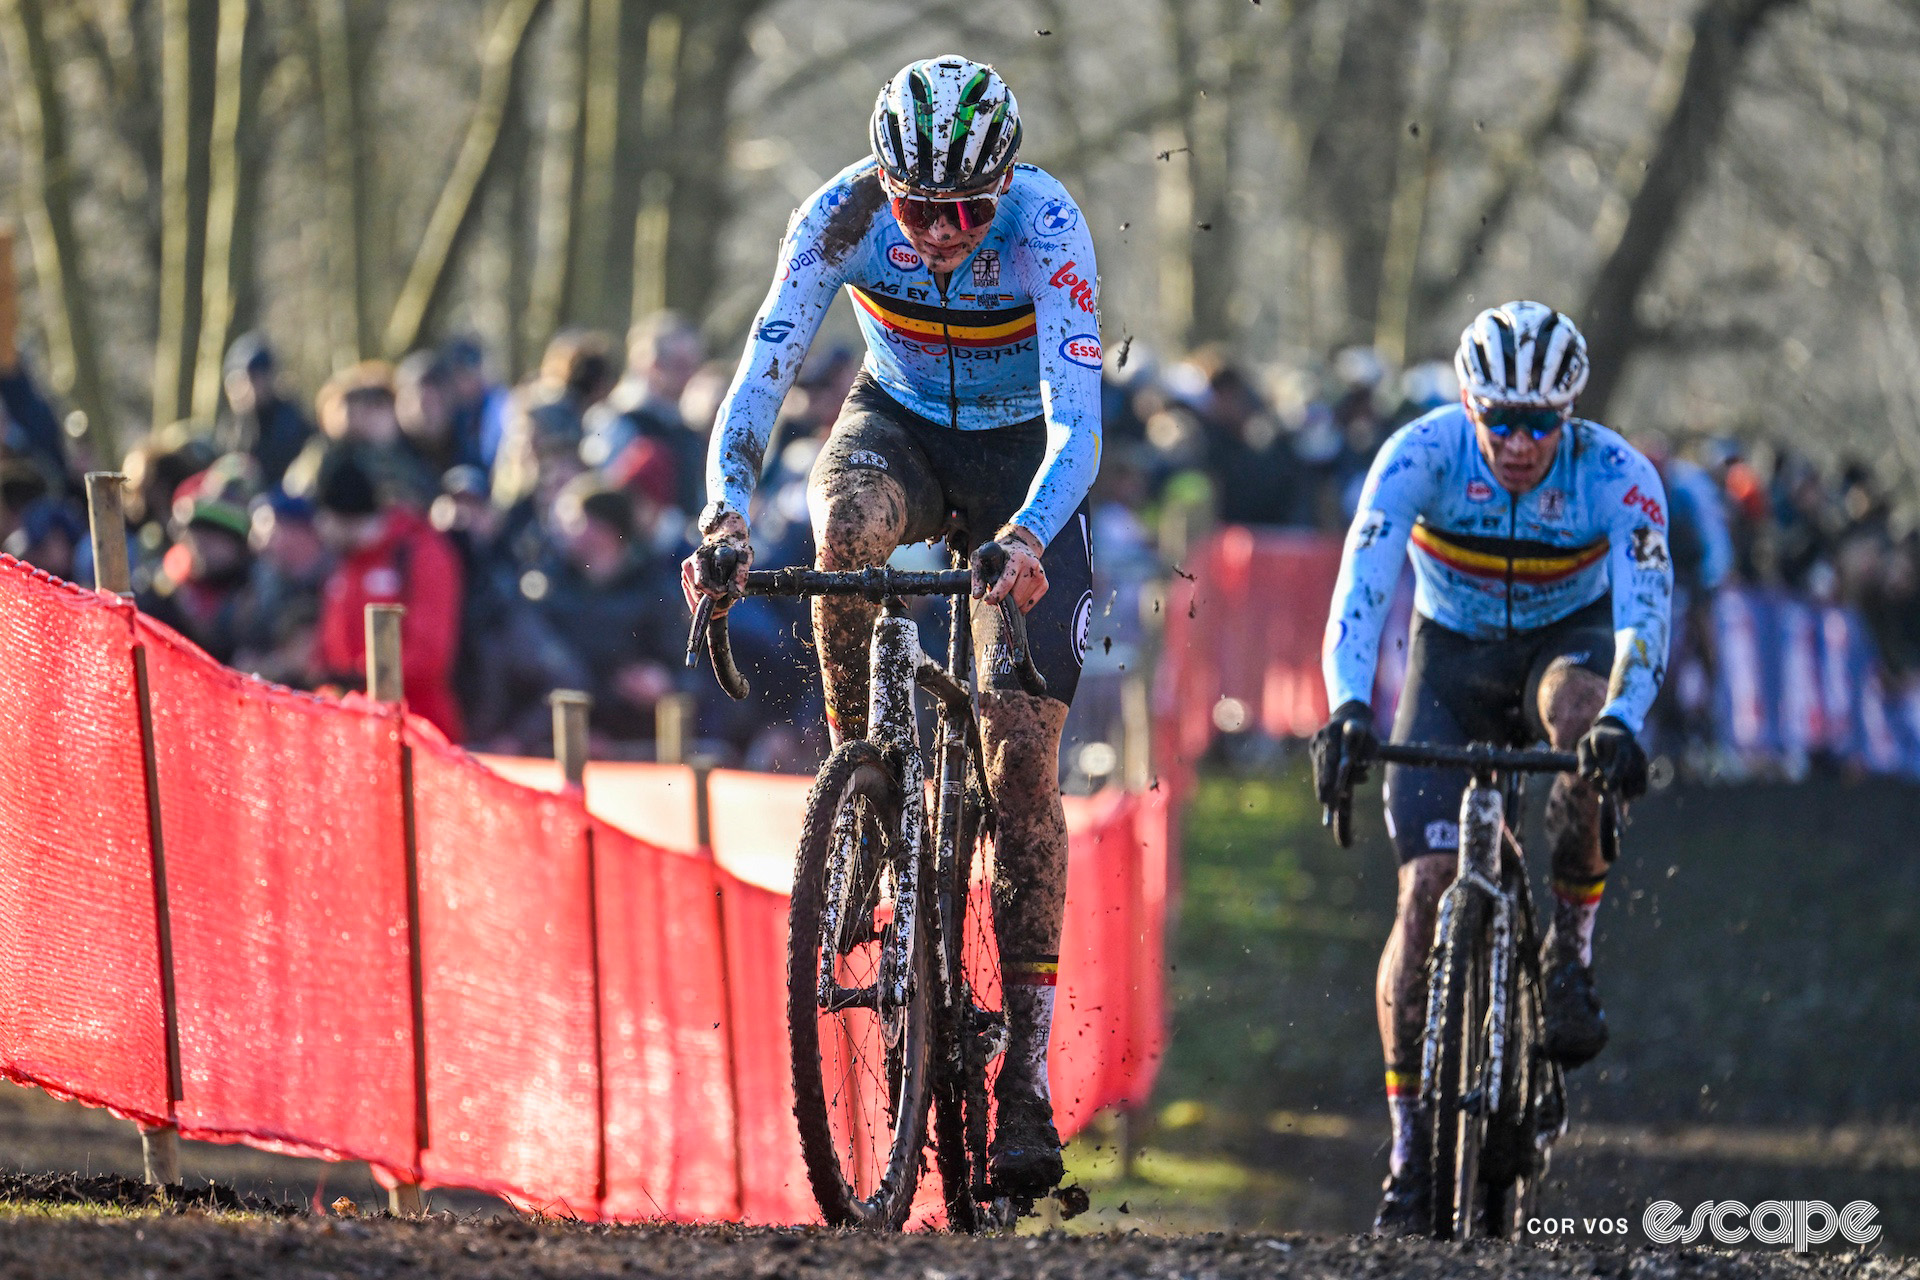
(1488, 563)
(1014, 334)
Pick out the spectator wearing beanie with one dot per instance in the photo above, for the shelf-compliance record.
(386, 556)
(198, 586)
(263, 422)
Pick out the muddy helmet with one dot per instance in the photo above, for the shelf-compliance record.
(943, 125)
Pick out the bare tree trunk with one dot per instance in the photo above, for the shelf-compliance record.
(1722, 31)
(1350, 171)
(557, 203)
(188, 31)
(1515, 166)
(453, 215)
(659, 88)
(591, 287)
(223, 206)
(337, 76)
(46, 174)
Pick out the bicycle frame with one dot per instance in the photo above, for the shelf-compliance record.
(1482, 825)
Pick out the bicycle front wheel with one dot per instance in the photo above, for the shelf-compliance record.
(861, 1057)
(1456, 1052)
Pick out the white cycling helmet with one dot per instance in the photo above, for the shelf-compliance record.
(945, 124)
(1522, 353)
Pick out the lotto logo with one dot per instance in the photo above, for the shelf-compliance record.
(903, 258)
(1647, 504)
(1081, 291)
(1082, 349)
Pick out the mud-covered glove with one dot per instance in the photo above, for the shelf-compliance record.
(1023, 578)
(698, 576)
(1611, 756)
(1347, 734)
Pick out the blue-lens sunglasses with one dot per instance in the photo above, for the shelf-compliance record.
(1501, 420)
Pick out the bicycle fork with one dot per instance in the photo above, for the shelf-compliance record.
(896, 661)
(1482, 823)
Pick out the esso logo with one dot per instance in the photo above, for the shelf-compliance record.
(1479, 491)
(1082, 349)
(903, 258)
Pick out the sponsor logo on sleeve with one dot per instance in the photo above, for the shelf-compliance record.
(1479, 491)
(867, 458)
(774, 331)
(986, 269)
(903, 258)
(1082, 349)
(1649, 549)
(1056, 217)
(806, 259)
(1081, 291)
(1372, 529)
(1647, 503)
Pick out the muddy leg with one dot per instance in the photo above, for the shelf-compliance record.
(1400, 992)
(1570, 701)
(1022, 740)
(859, 517)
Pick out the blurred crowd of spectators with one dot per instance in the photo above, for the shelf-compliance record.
(534, 532)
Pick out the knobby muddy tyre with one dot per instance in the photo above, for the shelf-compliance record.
(962, 1097)
(862, 1175)
(1458, 1041)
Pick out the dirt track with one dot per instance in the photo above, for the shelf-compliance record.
(44, 1246)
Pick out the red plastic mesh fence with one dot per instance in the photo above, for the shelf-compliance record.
(286, 872)
(670, 1110)
(603, 1013)
(507, 949)
(80, 1009)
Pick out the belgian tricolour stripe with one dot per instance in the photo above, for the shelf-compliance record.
(962, 328)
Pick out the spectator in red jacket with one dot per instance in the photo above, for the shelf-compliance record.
(390, 556)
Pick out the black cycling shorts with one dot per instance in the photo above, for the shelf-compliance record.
(983, 475)
(1461, 690)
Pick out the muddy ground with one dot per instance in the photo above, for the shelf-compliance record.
(50, 1245)
(1758, 951)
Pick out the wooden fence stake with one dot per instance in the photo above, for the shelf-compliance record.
(107, 521)
(385, 684)
(673, 728)
(570, 708)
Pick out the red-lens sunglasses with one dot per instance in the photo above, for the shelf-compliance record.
(920, 214)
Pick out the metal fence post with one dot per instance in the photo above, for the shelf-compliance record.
(107, 523)
(385, 683)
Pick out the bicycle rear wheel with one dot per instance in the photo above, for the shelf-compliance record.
(972, 1029)
(1456, 1055)
(861, 1061)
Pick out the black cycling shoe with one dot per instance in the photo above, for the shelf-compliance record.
(1024, 1157)
(1407, 1207)
(1576, 1025)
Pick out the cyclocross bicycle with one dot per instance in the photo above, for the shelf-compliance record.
(893, 973)
(1496, 1102)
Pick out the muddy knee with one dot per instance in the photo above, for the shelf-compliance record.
(859, 517)
(1570, 701)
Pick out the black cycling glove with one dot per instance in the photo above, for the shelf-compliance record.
(1611, 755)
(1347, 733)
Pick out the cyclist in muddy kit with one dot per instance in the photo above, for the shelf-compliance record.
(972, 278)
(1539, 547)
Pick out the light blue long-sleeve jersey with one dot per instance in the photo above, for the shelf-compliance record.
(1488, 563)
(1013, 336)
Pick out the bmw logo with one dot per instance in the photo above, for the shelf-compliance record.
(1056, 217)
